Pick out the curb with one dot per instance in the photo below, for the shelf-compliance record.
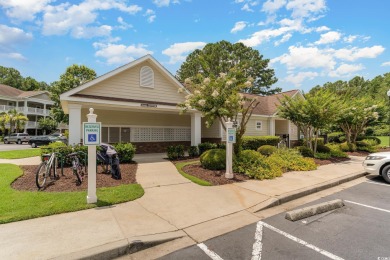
(280, 199)
(320, 208)
(122, 247)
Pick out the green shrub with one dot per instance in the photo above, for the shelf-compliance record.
(206, 146)
(213, 159)
(370, 149)
(255, 165)
(291, 160)
(323, 149)
(370, 142)
(322, 156)
(348, 147)
(221, 146)
(305, 151)
(362, 144)
(376, 139)
(125, 152)
(193, 151)
(254, 142)
(335, 151)
(342, 139)
(335, 137)
(62, 149)
(175, 152)
(267, 150)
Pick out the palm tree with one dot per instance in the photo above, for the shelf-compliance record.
(16, 119)
(3, 121)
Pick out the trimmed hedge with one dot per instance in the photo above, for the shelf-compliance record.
(267, 150)
(214, 159)
(323, 149)
(345, 147)
(376, 139)
(175, 152)
(203, 147)
(254, 142)
(335, 137)
(125, 152)
(305, 151)
(193, 151)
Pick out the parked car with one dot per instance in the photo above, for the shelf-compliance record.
(378, 163)
(36, 141)
(18, 138)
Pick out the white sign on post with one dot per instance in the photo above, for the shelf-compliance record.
(231, 135)
(91, 133)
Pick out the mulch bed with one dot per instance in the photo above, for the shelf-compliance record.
(331, 160)
(214, 177)
(68, 182)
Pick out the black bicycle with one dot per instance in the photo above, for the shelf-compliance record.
(77, 167)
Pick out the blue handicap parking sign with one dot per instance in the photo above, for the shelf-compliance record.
(92, 138)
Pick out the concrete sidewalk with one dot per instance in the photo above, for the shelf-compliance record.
(172, 207)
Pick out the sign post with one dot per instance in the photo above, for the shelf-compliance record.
(91, 138)
(230, 140)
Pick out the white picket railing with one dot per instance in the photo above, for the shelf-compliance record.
(30, 110)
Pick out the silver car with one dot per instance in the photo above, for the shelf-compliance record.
(18, 138)
(378, 163)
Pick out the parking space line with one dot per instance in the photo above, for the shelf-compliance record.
(367, 206)
(372, 182)
(258, 245)
(208, 252)
(300, 241)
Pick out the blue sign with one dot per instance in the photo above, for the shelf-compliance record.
(91, 137)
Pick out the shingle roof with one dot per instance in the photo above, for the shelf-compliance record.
(8, 91)
(268, 104)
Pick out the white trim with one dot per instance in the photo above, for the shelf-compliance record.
(112, 73)
(143, 126)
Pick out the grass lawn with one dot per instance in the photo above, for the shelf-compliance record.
(19, 205)
(17, 154)
(179, 167)
(384, 140)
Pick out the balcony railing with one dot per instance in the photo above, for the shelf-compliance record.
(29, 111)
(31, 124)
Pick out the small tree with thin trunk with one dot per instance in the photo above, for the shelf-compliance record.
(220, 98)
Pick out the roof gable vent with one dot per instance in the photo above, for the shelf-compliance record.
(146, 77)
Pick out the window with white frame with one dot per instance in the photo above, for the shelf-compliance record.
(146, 77)
(259, 125)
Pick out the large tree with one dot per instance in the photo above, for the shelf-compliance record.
(47, 124)
(221, 57)
(220, 98)
(74, 76)
(10, 77)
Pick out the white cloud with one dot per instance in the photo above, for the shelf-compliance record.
(23, 10)
(306, 8)
(13, 56)
(345, 70)
(151, 15)
(91, 32)
(123, 25)
(322, 29)
(298, 78)
(306, 57)
(285, 38)
(352, 54)
(161, 3)
(12, 35)
(119, 53)
(272, 6)
(64, 18)
(265, 35)
(387, 63)
(350, 38)
(329, 37)
(239, 26)
(177, 52)
(246, 8)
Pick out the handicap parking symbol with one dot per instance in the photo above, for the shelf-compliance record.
(91, 137)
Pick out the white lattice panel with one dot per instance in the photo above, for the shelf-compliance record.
(160, 134)
(157, 134)
(182, 134)
(169, 134)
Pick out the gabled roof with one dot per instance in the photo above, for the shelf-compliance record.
(8, 91)
(269, 104)
(112, 73)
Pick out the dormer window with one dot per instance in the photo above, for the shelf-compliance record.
(146, 77)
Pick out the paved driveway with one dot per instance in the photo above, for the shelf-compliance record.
(10, 147)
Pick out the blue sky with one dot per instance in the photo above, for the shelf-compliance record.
(309, 42)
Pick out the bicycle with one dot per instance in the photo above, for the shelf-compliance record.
(77, 167)
(46, 168)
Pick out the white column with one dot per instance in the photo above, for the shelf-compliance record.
(229, 153)
(91, 197)
(74, 124)
(272, 126)
(196, 129)
(25, 108)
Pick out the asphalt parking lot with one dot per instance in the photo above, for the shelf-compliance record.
(11, 147)
(359, 230)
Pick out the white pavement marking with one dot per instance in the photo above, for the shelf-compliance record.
(258, 245)
(300, 241)
(367, 206)
(208, 252)
(371, 182)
